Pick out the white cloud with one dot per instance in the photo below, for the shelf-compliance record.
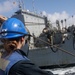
(60, 16)
(56, 16)
(44, 13)
(8, 6)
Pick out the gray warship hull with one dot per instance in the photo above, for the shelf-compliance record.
(46, 55)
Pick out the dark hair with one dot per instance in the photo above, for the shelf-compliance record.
(11, 44)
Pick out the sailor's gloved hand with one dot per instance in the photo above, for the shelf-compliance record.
(2, 19)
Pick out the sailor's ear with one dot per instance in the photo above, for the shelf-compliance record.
(0, 54)
(23, 38)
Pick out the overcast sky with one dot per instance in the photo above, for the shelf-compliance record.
(53, 9)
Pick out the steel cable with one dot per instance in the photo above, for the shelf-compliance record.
(63, 50)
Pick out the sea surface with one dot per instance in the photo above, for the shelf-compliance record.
(63, 71)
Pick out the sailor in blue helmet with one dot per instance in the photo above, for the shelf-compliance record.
(13, 35)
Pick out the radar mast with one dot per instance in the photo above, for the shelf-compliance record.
(19, 2)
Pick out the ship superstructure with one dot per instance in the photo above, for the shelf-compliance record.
(34, 23)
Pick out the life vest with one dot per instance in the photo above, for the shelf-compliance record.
(8, 62)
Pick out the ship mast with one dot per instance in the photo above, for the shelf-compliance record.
(20, 3)
(33, 5)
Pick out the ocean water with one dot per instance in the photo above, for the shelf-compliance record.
(63, 71)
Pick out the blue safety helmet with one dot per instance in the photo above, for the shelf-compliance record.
(13, 28)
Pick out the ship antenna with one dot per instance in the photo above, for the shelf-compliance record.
(20, 3)
(33, 5)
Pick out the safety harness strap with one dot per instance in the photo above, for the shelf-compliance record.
(3, 65)
(14, 58)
